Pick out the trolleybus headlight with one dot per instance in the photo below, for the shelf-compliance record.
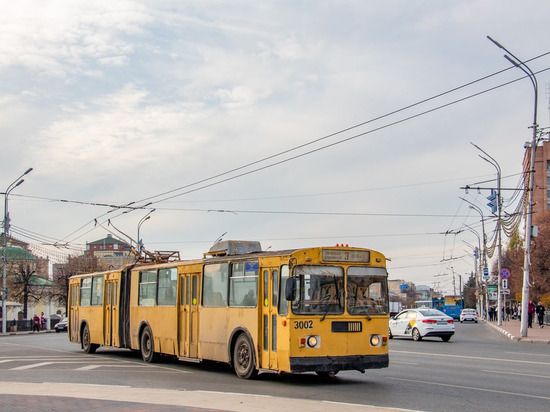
(375, 340)
(312, 341)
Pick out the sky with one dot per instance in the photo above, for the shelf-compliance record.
(298, 124)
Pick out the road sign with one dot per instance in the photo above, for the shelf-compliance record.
(485, 272)
(504, 291)
(504, 284)
(492, 201)
(504, 273)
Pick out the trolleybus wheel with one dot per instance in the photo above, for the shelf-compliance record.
(243, 358)
(416, 334)
(86, 343)
(147, 346)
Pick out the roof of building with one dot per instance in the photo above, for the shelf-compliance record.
(109, 240)
(17, 253)
(38, 281)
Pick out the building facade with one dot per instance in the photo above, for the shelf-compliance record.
(541, 186)
(110, 252)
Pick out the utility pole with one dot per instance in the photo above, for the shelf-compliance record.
(12, 186)
(529, 212)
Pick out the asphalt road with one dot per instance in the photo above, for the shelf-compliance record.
(479, 369)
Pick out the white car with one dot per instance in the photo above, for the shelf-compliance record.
(421, 323)
(468, 314)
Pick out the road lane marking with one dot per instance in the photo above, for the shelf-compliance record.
(89, 384)
(518, 374)
(527, 354)
(431, 355)
(472, 388)
(92, 367)
(31, 366)
(405, 363)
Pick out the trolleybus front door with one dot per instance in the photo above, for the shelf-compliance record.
(270, 281)
(188, 319)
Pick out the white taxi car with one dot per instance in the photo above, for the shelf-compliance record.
(421, 323)
(468, 314)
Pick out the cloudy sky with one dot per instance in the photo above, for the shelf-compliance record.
(295, 123)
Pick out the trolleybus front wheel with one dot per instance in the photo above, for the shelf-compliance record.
(86, 342)
(243, 358)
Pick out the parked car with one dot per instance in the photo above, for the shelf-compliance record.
(468, 314)
(61, 325)
(421, 323)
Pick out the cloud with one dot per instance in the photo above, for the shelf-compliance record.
(118, 101)
(59, 39)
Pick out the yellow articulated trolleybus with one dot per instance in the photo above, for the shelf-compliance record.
(322, 309)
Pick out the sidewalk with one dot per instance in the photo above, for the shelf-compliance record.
(511, 328)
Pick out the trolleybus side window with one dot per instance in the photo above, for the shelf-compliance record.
(283, 303)
(216, 278)
(167, 285)
(147, 288)
(85, 292)
(243, 287)
(275, 288)
(97, 291)
(74, 295)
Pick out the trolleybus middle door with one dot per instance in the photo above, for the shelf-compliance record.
(188, 318)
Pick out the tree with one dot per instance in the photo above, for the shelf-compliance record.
(539, 274)
(512, 259)
(75, 265)
(469, 292)
(540, 261)
(27, 287)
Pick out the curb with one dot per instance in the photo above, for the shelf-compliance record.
(519, 339)
(27, 332)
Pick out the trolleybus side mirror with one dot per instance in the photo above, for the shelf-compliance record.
(290, 289)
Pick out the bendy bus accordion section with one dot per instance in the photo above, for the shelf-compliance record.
(321, 309)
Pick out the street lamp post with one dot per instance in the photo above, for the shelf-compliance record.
(483, 257)
(529, 213)
(15, 183)
(499, 227)
(477, 266)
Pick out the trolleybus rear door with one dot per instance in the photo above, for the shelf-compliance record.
(111, 312)
(270, 282)
(74, 321)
